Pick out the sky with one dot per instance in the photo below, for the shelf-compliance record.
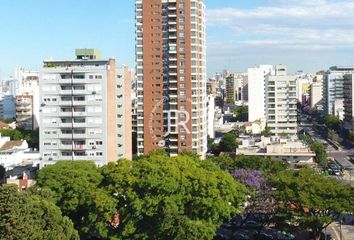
(306, 35)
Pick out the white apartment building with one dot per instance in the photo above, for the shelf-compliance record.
(78, 113)
(333, 90)
(316, 95)
(256, 90)
(281, 102)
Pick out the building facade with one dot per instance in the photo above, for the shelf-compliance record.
(124, 112)
(27, 99)
(348, 101)
(78, 113)
(256, 90)
(281, 102)
(333, 90)
(316, 95)
(171, 76)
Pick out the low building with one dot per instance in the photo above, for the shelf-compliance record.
(277, 149)
(23, 176)
(255, 127)
(14, 153)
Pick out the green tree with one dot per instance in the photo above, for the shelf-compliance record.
(211, 144)
(228, 142)
(241, 113)
(311, 200)
(332, 122)
(351, 135)
(27, 217)
(2, 172)
(75, 187)
(321, 154)
(266, 132)
(172, 198)
(266, 165)
(306, 138)
(225, 162)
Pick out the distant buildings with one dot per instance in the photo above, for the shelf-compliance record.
(281, 102)
(256, 91)
(27, 99)
(333, 90)
(236, 88)
(171, 76)
(303, 83)
(82, 105)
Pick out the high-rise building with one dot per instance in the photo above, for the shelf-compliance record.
(230, 89)
(333, 87)
(79, 106)
(171, 76)
(281, 102)
(349, 101)
(256, 90)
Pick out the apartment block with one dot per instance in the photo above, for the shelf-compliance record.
(281, 102)
(316, 95)
(349, 101)
(333, 90)
(256, 90)
(171, 76)
(27, 99)
(78, 109)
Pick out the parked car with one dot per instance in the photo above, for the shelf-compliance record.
(241, 235)
(223, 234)
(252, 224)
(265, 236)
(281, 235)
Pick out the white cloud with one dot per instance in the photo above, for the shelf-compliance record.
(309, 25)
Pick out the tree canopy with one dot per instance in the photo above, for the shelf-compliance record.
(228, 142)
(321, 154)
(26, 216)
(311, 200)
(332, 122)
(75, 188)
(183, 197)
(241, 113)
(2, 172)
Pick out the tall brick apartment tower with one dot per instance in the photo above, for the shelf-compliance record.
(171, 76)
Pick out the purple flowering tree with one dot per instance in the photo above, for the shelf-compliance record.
(261, 203)
(251, 179)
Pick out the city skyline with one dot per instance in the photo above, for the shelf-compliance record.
(239, 34)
